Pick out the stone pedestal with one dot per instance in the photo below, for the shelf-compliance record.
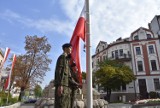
(80, 101)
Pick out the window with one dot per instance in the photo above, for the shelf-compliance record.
(98, 61)
(153, 65)
(104, 58)
(149, 36)
(103, 47)
(151, 49)
(140, 65)
(121, 52)
(118, 88)
(129, 55)
(138, 51)
(98, 50)
(112, 54)
(136, 37)
(123, 87)
(156, 84)
(92, 64)
(116, 53)
(0, 62)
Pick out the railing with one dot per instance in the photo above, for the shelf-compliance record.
(125, 57)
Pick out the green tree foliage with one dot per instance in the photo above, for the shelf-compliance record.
(84, 75)
(3, 99)
(31, 67)
(113, 74)
(38, 91)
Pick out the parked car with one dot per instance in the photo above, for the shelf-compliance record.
(30, 101)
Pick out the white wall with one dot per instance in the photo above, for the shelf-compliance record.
(154, 25)
(131, 87)
(124, 46)
(158, 49)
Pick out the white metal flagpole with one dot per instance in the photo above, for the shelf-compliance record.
(88, 59)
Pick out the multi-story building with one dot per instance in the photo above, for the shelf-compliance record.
(48, 91)
(1, 59)
(154, 25)
(1, 56)
(141, 52)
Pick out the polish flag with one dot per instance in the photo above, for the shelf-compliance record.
(79, 32)
(5, 56)
(7, 83)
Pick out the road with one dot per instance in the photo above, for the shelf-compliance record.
(27, 106)
(119, 105)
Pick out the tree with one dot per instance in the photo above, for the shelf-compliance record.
(84, 78)
(31, 67)
(84, 75)
(38, 91)
(113, 74)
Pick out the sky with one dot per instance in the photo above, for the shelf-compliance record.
(56, 19)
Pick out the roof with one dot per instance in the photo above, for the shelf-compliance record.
(139, 29)
(101, 42)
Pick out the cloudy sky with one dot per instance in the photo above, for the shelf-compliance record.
(56, 19)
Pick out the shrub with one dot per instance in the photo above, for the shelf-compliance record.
(13, 100)
(3, 99)
(153, 94)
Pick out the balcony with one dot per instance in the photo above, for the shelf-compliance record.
(123, 57)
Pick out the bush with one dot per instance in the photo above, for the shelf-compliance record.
(13, 100)
(153, 94)
(3, 99)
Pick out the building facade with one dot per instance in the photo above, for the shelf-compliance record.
(1, 56)
(141, 52)
(49, 90)
(1, 59)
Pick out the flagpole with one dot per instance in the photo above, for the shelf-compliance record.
(88, 59)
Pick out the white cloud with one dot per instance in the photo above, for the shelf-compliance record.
(112, 19)
(49, 25)
(43, 25)
(7, 14)
(72, 8)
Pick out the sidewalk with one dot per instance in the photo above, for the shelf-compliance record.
(16, 105)
(119, 105)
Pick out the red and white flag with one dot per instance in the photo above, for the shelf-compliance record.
(7, 83)
(79, 32)
(5, 56)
